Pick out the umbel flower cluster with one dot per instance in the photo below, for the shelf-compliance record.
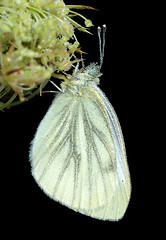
(37, 41)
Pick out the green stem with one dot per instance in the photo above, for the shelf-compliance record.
(78, 14)
(78, 25)
(37, 11)
(30, 96)
(7, 104)
(80, 7)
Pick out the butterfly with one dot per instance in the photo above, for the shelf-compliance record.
(78, 154)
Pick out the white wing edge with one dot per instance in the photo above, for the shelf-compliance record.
(122, 166)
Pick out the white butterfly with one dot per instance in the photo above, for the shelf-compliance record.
(78, 154)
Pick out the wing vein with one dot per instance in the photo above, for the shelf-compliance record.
(76, 156)
(68, 159)
(94, 147)
(60, 124)
(52, 156)
(88, 135)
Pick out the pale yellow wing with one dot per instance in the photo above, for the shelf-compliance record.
(78, 156)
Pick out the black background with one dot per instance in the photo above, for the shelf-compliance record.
(25, 205)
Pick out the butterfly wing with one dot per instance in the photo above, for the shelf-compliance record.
(77, 155)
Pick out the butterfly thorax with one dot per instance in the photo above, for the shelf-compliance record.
(83, 78)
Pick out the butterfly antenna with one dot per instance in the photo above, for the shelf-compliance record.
(101, 44)
(83, 65)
